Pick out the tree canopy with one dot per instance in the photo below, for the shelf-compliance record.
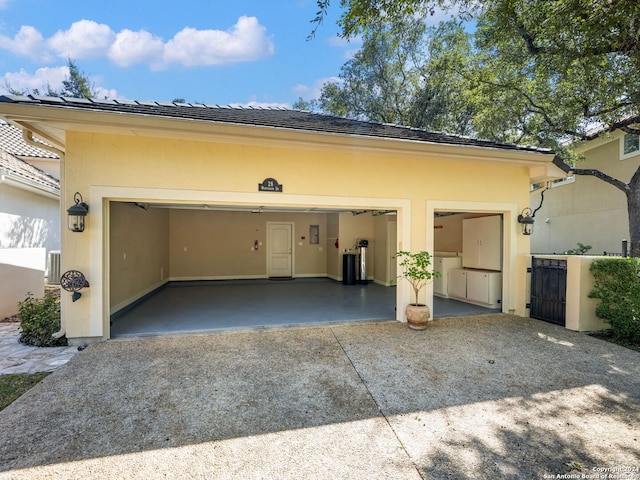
(546, 73)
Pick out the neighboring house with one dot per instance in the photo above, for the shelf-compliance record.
(29, 216)
(584, 209)
(192, 192)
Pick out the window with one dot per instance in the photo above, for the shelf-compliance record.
(630, 144)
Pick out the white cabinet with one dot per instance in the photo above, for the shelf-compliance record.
(457, 283)
(482, 243)
(476, 286)
(444, 265)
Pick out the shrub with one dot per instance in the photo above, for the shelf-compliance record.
(617, 286)
(581, 249)
(39, 320)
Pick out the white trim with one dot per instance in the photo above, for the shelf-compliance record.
(625, 156)
(22, 183)
(509, 212)
(99, 229)
(292, 246)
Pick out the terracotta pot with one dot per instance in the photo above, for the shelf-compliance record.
(418, 316)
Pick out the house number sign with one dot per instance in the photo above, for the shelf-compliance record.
(269, 185)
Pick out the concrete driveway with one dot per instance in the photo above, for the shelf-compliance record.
(485, 397)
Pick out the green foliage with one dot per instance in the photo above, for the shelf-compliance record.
(39, 320)
(415, 269)
(537, 72)
(76, 84)
(406, 74)
(540, 72)
(617, 286)
(13, 386)
(581, 249)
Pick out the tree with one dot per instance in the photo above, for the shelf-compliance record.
(544, 73)
(76, 84)
(400, 76)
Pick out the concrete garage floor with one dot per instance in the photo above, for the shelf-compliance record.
(232, 304)
(478, 397)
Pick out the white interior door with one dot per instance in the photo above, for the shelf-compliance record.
(280, 257)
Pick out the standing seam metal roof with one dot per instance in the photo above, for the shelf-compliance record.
(298, 120)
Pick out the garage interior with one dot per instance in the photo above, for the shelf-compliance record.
(178, 268)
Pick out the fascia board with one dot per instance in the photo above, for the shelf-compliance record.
(41, 118)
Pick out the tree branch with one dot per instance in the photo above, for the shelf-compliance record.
(620, 185)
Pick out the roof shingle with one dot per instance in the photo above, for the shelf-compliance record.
(12, 147)
(276, 118)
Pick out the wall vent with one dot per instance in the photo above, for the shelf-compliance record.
(54, 268)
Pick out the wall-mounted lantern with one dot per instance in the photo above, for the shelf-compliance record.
(526, 220)
(77, 214)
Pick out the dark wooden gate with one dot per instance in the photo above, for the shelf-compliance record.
(548, 290)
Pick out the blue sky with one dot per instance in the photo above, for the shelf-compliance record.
(241, 52)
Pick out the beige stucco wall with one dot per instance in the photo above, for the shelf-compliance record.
(120, 167)
(581, 310)
(139, 246)
(586, 210)
(220, 244)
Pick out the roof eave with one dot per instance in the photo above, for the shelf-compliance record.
(35, 116)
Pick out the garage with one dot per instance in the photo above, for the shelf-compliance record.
(232, 267)
(191, 193)
(228, 267)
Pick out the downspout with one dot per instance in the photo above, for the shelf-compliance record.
(27, 136)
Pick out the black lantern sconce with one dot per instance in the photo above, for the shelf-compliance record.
(77, 214)
(526, 217)
(526, 220)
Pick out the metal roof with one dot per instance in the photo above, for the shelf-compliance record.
(288, 119)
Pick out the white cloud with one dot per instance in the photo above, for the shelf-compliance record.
(256, 104)
(43, 77)
(84, 39)
(341, 42)
(245, 41)
(28, 42)
(351, 46)
(312, 92)
(130, 48)
(4, 4)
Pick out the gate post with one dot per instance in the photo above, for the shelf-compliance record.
(581, 310)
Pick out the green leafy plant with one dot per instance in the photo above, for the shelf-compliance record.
(581, 249)
(617, 286)
(39, 320)
(415, 269)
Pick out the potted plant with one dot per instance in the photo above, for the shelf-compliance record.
(415, 269)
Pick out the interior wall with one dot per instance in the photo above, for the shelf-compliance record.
(383, 251)
(207, 244)
(354, 227)
(334, 258)
(139, 252)
(447, 235)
